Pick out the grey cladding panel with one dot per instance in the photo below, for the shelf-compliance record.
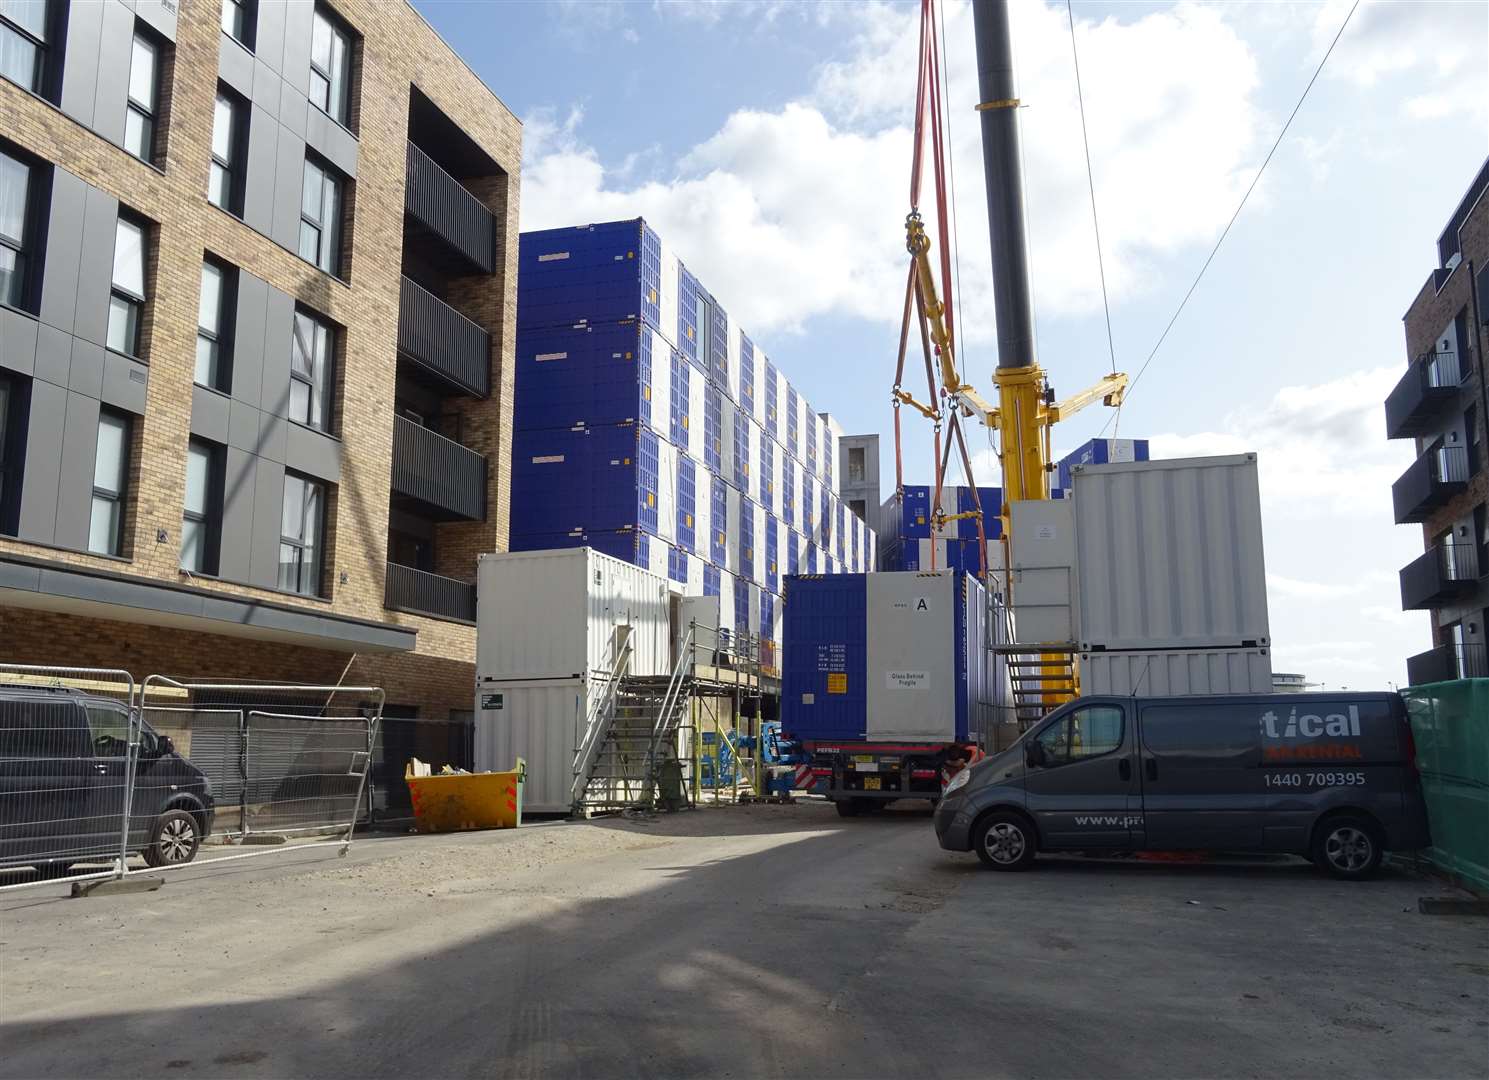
(114, 54)
(126, 383)
(235, 65)
(278, 329)
(273, 437)
(258, 194)
(293, 108)
(53, 354)
(332, 141)
(43, 463)
(289, 180)
(248, 338)
(297, 27)
(80, 61)
(96, 266)
(314, 454)
(239, 482)
(266, 86)
(243, 427)
(85, 376)
(17, 341)
(268, 507)
(59, 281)
(75, 487)
(209, 414)
(160, 14)
(269, 31)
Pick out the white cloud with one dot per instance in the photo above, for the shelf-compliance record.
(1436, 38)
(796, 212)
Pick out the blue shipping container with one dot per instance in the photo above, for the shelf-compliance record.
(628, 545)
(599, 478)
(825, 657)
(597, 273)
(1100, 452)
(593, 375)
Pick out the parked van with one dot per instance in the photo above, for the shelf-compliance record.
(1328, 776)
(63, 756)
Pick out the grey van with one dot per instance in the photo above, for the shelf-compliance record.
(1328, 776)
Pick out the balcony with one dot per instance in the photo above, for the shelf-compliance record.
(1444, 572)
(446, 478)
(1446, 663)
(1430, 481)
(422, 593)
(443, 342)
(1429, 388)
(438, 202)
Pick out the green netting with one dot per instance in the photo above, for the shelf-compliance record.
(1450, 723)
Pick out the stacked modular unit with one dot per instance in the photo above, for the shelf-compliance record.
(648, 426)
(547, 624)
(890, 657)
(1098, 452)
(910, 540)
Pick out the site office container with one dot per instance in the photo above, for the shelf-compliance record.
(1099, 452)
(593, 374)
(1176, 672)
(1168, 555)
(896, 656)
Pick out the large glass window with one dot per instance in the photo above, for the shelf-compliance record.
(213, 336)
(23, 41)
(201, 519)
(110, 474)
(310, 370)
(238, 17)
(15, 191)
(144, 92)
(320, 217)
(127, 299)
(300, 535)
(225, 183)
(330, 68)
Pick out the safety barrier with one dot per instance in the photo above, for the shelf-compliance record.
(1450, 726)
(101, 776)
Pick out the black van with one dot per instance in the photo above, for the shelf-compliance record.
(1328, 776)
(63, 756)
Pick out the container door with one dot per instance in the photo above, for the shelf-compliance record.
(913, 677)
(1083, 782)
(1203, 781)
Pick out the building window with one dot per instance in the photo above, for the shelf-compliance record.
(310, 370)
(238, 19)
(214, 326)
(229, 127)
(300, 535)
(330, 68)
(855, 465)
(1471, 436)
(23, 41)
(110, 473)
(144, 95)
(15, 191)
(201, 520)
(320, 217)
(127, 300)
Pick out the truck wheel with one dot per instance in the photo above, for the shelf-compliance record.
(1348, 847)
(847, 807)
(1004, 842)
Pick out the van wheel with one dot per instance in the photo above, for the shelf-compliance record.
(1005, 842)
(175, 839)
(847, 807)
(1348, 847)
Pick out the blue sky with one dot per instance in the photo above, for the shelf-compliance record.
(768, 142)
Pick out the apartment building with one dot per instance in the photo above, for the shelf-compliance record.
(1441, 404)
(257, 307)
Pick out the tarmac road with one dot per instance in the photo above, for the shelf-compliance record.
(760, 941)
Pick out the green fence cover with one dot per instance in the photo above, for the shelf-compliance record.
(1450, 723)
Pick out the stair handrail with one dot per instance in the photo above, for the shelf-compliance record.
(599, 719)
(669, 705)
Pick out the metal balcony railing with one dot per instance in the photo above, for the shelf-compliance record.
(1446, 663)
(1429, 387)
(1439, 574)
(423, 593)
(441, 340)
(1429, 482)
(441, 204)
(440, 473)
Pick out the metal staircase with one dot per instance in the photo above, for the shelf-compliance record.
(1041, 680)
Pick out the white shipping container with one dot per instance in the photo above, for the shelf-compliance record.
(661, 383)
(694, 585)
(1043, 574)
(667, 305)
(727, 584)
(754, 613)
(912, 668)
(759, 547)
(759, 384)
(553, 614)
(703, 515)
(696, 426)
(1169, 554)
(667, 491)
(656, 550)
(727, 447)
(539, 722)
(731, 388)
(731, 533)
(1175, 672)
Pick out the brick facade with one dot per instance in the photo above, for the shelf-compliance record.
(397, 50)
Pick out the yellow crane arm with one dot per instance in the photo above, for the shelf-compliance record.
(1109, 391)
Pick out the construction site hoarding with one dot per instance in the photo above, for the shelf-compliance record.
(554, 615)
(1168, 555)
(1176, 672)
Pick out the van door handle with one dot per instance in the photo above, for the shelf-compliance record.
(1124, 769)
(1150, 768)
(100, 767)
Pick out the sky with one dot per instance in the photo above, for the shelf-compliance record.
(769, 142)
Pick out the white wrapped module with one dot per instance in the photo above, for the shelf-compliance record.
(666, 492)
(697, 384)
(668, 303)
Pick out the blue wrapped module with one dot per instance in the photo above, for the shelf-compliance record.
(599, 479)
(586, 374)
(772, 546)
(1100, 452)
(678, 428)
(718, 517)
(767, 470)
(628, 545)
(687, 505)
(711, 578)
(741, 451)
(746, 539)
(746, 375)
(771, 404)
(788, 493)
(713, 427)
(596, 273)
(824, 656)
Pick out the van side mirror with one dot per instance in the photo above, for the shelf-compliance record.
(1034, 753)
(163, 746)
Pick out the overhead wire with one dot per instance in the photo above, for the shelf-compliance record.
(1080, 98)
(1117, 416)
